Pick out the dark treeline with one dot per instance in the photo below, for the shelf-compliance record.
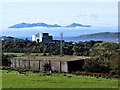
(26, 46)
(105, 55)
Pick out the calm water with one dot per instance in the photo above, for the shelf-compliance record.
(68, 33)
(67, 39)
(88, 39)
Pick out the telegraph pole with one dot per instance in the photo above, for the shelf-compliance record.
(61, 44)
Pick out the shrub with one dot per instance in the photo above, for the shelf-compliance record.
(47, 67)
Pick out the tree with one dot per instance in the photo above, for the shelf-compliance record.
(92, 66)
(106, 54)
(47, 67)
(5, 60)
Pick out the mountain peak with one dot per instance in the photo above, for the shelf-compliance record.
(78, 25)
(26, 25)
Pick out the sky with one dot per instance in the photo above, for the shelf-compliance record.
(59, 0)
(102, 15)
(63, 13)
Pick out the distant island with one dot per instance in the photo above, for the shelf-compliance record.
(101, 35)
(28, 25)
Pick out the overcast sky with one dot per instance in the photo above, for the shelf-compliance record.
(63, 13)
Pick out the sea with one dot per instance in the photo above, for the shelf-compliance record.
(76, 39)
(69, 34)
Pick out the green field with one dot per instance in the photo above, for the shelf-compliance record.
(22, 54)
(13, 79)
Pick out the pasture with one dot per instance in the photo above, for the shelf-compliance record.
(13, 79)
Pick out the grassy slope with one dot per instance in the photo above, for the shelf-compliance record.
(15, 80)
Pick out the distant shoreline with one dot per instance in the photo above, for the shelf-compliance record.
(74, 39)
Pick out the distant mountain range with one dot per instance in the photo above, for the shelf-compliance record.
(101, 35)
(27, 25)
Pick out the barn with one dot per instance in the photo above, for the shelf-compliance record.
(60, 64)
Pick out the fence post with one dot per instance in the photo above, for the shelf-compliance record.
(50, 65)
(25, 64)
(60, 67)
(39, 65)
(11, 63)
(15, 63)
(29, 64)
(19, 63)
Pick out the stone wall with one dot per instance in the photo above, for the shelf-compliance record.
(64, 66)
(59, 66)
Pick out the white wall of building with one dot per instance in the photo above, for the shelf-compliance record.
(33, 38)
(40, 37)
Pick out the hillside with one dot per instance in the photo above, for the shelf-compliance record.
(101, 35)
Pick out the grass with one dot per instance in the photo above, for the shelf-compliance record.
(21, 54)
(17, 54)
(13, 79)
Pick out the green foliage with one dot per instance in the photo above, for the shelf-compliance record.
(68, 48)
(5, 60)
(82, 48)
(47, 67)
(105, 56)
(26, 46)
(91, 66)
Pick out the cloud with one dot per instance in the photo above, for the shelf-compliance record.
(82, 15)
(59, 0)
(94, 16)
(91, 16)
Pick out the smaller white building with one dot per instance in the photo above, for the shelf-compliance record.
(33, 38)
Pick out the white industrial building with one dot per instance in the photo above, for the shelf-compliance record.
(42, 37)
